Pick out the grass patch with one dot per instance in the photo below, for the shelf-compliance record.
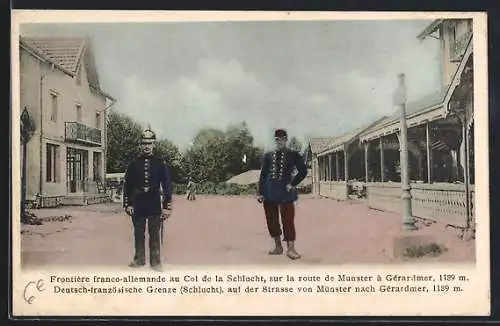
(419, 251)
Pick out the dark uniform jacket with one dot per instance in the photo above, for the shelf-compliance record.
(141, 188)
(277, 171)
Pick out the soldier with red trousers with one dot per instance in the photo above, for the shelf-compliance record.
(278, 194)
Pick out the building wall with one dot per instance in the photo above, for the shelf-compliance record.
(461, 27)
(69, 94)
(30, 72)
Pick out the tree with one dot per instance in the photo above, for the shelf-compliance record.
(123, 139)
(169, 153)
(238, 144)
(28, 128)
(206, 158)
(295, 144)
(217, 156)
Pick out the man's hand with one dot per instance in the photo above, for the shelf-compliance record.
(289, 187)
(129, 210)
(260, 198)
(165, 213)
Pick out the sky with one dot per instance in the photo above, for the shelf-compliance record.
(313, 78)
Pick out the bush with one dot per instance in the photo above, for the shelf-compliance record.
(217, 188)
(305, 189)
(419, 251)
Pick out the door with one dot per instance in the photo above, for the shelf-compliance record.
(76, 170)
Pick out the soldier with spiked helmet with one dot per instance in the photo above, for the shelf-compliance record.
(147, 198)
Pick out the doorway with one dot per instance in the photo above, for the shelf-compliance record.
(76, 167)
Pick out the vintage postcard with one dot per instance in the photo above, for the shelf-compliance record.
(250, 163)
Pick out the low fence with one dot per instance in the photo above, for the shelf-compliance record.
(333, 189)
(443, 202)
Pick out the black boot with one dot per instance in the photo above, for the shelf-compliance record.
(139, 259)
(140, 253)
(154, 244)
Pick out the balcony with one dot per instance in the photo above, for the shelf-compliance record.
(79, 133)
(457, 48)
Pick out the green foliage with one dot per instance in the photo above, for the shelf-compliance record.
(28, 126)
(213, 157)
(123, 136)
(218, 188)
(432, 249)
(295, 144)
(217, 156)
(169, 153)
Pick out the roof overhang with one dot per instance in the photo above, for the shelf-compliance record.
(418, 118)
(336, 148)
(43, 58)
(458, 74)
(35, 53)
(430, 29)
(433, 113)
(103, 93)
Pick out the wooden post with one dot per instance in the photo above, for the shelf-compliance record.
(330, 174)
(337, 166)
(366, 162)
(346, 165)
(382, 176)
(429, 153)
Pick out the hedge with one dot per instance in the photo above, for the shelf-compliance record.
(218, 188)
(226, 189)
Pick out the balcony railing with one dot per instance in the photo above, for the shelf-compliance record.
(80, 133)
(457, 48)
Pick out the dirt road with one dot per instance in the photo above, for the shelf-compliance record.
(229, 230)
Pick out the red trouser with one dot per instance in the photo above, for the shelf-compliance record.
(287, 211)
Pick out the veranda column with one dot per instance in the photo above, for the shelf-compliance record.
(330, 174)
(429, 153)
(346, 165)
(366, 161)
(382, 176)
(337, 166)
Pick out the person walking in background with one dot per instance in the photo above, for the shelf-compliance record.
(278, 194)
(191, 190)
(144, 201)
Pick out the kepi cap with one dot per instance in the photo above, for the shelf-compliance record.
(280, 133)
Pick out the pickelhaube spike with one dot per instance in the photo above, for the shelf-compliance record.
(148, 134)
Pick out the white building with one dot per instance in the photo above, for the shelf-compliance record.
(60, 88)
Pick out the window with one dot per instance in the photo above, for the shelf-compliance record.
(78, 113)
(98, 120)
(53, 100)
(52, 171)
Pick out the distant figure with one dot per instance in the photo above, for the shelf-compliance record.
(278, 194)
(143, 201)
(191, 190)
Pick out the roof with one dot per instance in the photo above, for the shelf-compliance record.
(246, 178)
(64, 51)
(421, 104)
(413, 109)
(350, 136)
(318, 144)
(67, 54)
